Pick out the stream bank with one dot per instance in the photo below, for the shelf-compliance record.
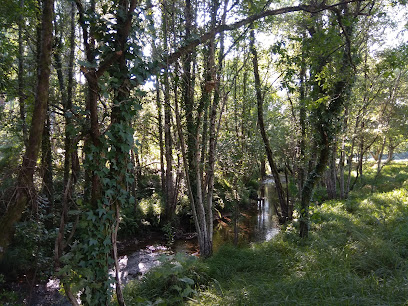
(137, 256)
(254, 225)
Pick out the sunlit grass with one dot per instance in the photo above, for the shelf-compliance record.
(357, 254)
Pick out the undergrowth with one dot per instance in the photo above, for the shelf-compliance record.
(357, 254)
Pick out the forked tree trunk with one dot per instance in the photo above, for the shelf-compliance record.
(193, 158)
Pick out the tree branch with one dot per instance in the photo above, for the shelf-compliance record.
(189, 46)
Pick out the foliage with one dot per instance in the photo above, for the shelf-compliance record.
(128, 186)
(169, 233)
(357, 257)
(174, 281)
(7, 297)
(31, 250)
(353, 256)
(152, 208)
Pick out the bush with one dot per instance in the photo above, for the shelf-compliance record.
(7, 297)
(175, 280)
(31, 250)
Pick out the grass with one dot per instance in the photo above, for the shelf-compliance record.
(357, 254)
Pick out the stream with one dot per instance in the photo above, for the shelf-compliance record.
(254, 225)
(136, 257)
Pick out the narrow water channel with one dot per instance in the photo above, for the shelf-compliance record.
(254, 225)
(137, 257)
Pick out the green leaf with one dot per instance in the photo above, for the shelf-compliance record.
(100, 211)
(187, 292)
(177, 288)
(187, 280)
(87, 64)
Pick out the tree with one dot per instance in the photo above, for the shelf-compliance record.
(24, 186)
(284, 214)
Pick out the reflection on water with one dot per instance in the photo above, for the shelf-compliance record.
(266, 227)
(256, 225)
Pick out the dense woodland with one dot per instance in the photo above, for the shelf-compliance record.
(122, 117)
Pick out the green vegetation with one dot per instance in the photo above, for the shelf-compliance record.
(356, 254)
(122, 120)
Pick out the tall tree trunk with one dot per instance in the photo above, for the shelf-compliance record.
(46, 165)
(71, 161)
(331, 174)
(184, 154)
(188, 104)
(213, 117)
(169, 190)
(327, 116)
(25, 188)
(21, 95)
(343, 156)
(311, 181)
(121, 126)
(161, 144)
(284, 214)
(193, 145)
(302, 122)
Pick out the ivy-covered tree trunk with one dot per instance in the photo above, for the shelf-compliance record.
(121, 136)
(24, 187)
(107, 155)
(313, 177)
(327, 117)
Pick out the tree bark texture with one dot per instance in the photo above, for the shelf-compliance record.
(24, 187)
(168, 139)
(46, 164)
(21, 95)
(160, 128)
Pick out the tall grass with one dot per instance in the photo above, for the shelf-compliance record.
(357, 254)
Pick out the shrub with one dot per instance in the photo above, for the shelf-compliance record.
(175, 280)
